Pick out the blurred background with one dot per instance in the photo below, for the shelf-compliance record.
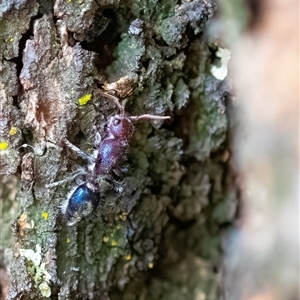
(262, 255)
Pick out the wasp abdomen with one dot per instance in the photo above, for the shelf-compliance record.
(82, 202)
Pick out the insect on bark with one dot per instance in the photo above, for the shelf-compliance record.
(110, 153)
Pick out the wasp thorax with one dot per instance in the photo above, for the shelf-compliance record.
(121, 128)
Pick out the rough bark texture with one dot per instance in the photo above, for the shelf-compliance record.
(160, 237)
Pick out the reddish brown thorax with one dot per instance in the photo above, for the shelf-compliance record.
(120, 127)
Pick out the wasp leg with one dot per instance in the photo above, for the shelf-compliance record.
(81, 153)
(69, 178)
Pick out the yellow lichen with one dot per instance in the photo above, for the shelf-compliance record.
(68, 240)
(11, 39)
(13, 130)
(150, 265)
(123, 216)
(3, 145)
(45, 215)
(128, 257)
(84, 99)
(114, 243)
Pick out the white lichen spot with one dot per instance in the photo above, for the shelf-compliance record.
(31, 255)
(220, 72)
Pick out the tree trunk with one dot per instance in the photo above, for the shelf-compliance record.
(160, 236)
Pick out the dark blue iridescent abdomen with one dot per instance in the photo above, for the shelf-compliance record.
(82, 202)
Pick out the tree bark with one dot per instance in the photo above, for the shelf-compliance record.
(160, 237)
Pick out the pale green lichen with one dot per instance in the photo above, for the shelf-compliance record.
(36, 268)
(45, 289)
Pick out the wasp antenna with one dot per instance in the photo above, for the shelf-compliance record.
(151, 117)
(112, 98)
(123, 106)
